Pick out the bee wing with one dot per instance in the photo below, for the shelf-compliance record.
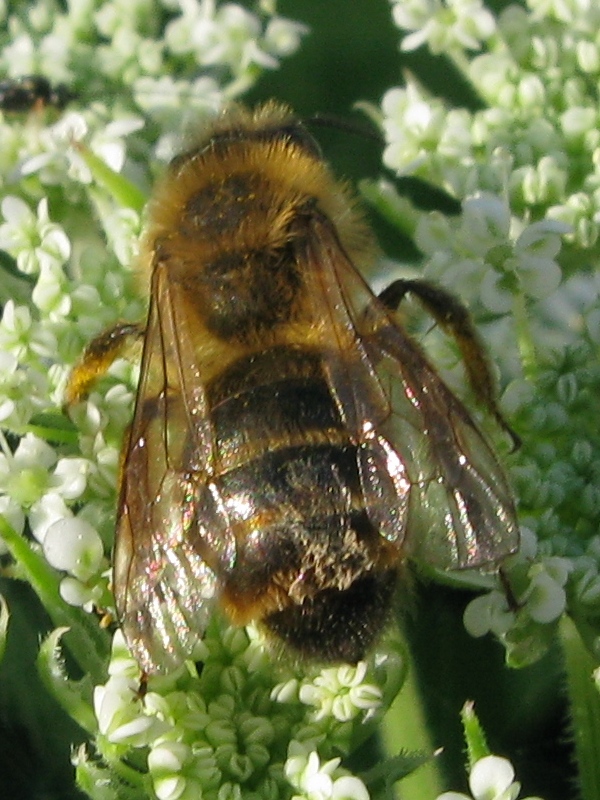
(163, 581)
(431, 481)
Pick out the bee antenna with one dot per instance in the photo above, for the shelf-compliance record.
(339, 123)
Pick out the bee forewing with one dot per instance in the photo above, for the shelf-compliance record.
(453, 507)
(164, 588)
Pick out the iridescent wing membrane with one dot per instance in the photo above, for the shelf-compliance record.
(453, 507)
(163, 580)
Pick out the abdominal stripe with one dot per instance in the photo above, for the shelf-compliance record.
(284, 458)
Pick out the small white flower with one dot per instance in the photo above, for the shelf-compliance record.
(542, 182)
(349, 787)
(282, 36)
(542, 600)
(226, 35)
(72, 545)
(169, 756)
(122, 662)
(489, 250)
(18, 389)
(50, 508)
(488, 613)
(286, 692)
(588, 56)
(108, 142)
(341, 692)
(175, 105)
(485, 223)
(491, 778)
(25, 338)
(20, 52)
(445, 26)
(546, 597)
(83, 595)
(122, 228)
(24, 473)
(32, 238)
(412, 126)
(121, 716)
(13, 514)
(71, 127)
(165, 763)
(69, 478)
(49, 293)
(19, 219)
(312, 780)
(40, 483)
(535, 253)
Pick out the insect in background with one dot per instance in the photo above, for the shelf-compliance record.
(31, 92)
(291, 446)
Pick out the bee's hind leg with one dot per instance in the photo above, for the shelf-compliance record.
(454, 318)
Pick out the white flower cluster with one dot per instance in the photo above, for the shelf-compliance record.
(536, 141)
(522, 254)
(445, 26)
(73, 258)
(120, 53)
(62, 497)
(229, 726)
(487, 255)
(526, 619)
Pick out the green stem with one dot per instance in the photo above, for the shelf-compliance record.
(584, 701)
(124, 192)
(524, 337)
(129, 774)
(405, 728)
(398, 211)
(462, 64)
(56, 435)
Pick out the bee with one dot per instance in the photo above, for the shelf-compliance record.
(31, 92)
(291, 447)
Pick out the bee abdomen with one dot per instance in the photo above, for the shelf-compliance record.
(285, 461)
(337, 625)
(288, 481)
(300, 526)
(275, 400)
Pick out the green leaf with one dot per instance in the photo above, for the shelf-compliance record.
(54, 428)
(74, 696)
(99, 782)
(381, 778)
(477, 746)
(584, 709)
(125, 193)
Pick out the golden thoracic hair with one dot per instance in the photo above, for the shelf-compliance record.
(238, 142)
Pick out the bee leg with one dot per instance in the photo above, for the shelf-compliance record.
(98, 356)
(511, 601)
(455, 320)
